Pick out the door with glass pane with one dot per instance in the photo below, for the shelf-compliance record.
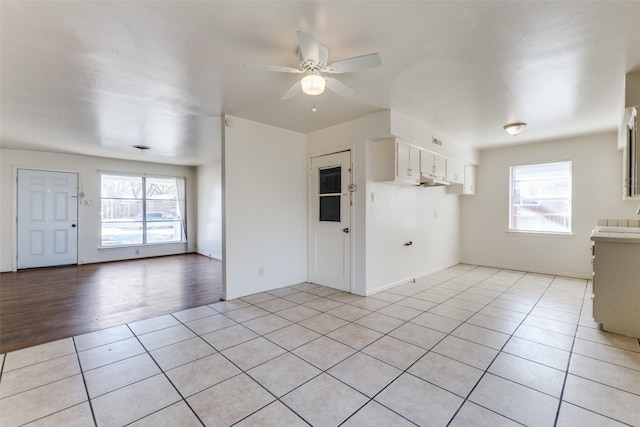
(47, 218)
(330, 221)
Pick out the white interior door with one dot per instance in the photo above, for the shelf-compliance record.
(47, 218)
(330, 221)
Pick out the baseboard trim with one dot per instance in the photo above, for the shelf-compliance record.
(572, 275)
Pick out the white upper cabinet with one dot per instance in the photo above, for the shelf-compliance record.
(432, 164)
(455, 172)
(469, 186)
(408, 161)
(397, 162)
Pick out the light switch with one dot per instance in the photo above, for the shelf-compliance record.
(373, 197)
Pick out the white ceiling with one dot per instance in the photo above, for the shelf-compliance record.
(97, 78)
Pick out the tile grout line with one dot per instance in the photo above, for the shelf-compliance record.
(573, 343)
(4, 360)
(137, 381)
(164, 373)
(84, 382)
(405, 371)
(287, 351)
(242, 371)
(449, 334)
(486, 370)
(322, 371)
(75, 353)
(566, 375)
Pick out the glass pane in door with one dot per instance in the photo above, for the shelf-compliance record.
(330, 180)
(330, 208)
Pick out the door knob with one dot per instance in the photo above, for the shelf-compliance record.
(73, 225)
(345, 230)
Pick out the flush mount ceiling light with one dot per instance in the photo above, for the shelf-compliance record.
(313, 84)
(514, 128)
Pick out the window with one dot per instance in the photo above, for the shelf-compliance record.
(540, 199)
(137, 210)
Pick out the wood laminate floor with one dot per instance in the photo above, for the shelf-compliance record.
(43, 305)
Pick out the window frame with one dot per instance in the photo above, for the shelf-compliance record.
(567, 198)
(143, 200)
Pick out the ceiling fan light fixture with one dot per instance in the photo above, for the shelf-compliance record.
(313, 84)
(514, 128)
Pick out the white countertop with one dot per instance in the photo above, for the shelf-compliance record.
(608, 233)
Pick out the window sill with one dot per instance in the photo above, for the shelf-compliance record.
(101, 248)
(541, 234)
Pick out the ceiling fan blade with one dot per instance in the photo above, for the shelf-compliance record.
(292, 91)
(277, 68)
(363, 62)
(338, 87)
(308, 47)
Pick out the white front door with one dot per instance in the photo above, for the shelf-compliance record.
(47, 218)
(330, 221)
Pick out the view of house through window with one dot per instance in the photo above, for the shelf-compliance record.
(540, 198)
(137, 210)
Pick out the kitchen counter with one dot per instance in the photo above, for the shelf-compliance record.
(616, 234)
(616, 279)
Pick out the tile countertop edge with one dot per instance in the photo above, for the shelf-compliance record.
(616, 234)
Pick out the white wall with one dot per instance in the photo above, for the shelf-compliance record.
(597, 193)
(353, 135)
(209, 200)
(264, 208)
(427, 216)
(89, 234)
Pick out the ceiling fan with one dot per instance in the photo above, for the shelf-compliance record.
(313, 62)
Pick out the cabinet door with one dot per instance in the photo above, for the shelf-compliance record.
(403, 168)
(426, 163)
(469, 186)
(432, 165)
(439, 167)
(414, 162)
(455, 172)
(408, 162)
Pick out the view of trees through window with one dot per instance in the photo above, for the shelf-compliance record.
(137, 210)
(540, 198)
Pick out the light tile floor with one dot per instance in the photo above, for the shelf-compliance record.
(465, 346)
